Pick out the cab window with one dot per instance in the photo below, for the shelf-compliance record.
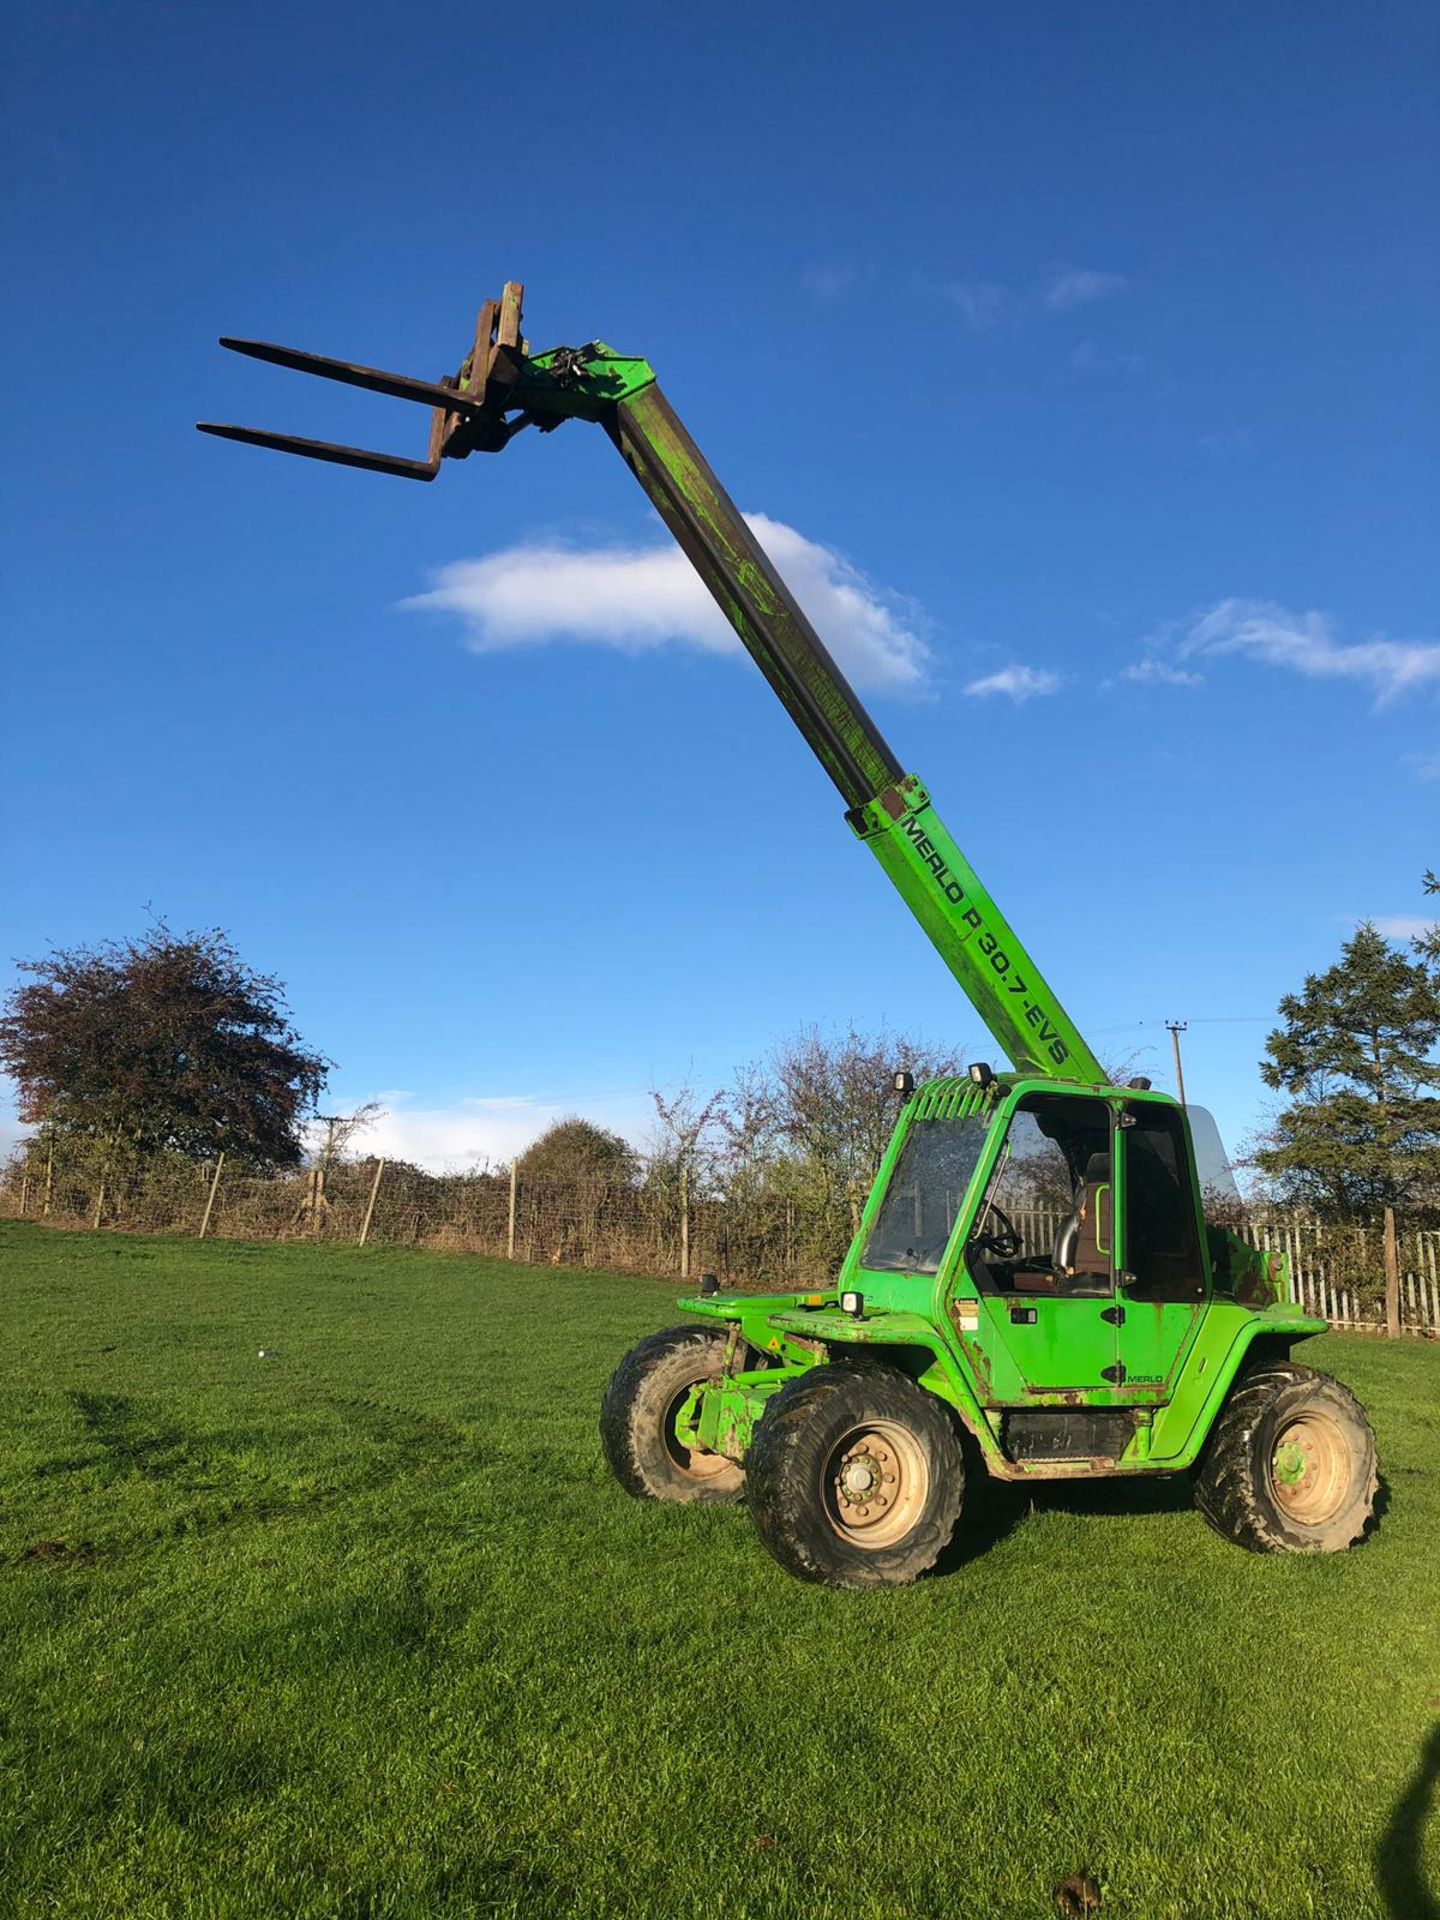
(1046, 1224)
(1162, 1242)
(913, 1227)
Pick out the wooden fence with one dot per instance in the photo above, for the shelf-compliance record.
(766, 1240)
(1335, 1271)
(1325, 1260)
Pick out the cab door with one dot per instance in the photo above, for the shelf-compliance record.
(1162, 1273)
(1033, 1331)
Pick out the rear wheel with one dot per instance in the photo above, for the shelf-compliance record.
(1290, 1464)
(646, 1394)
(855, 1478)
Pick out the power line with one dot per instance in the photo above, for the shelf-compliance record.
(1205, 1020)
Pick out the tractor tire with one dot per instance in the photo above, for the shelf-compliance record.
(1290, 1463)
(637, 1420)
(822, 1453)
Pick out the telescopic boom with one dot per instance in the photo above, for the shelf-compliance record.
(502, 388)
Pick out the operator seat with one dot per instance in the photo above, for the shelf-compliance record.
(1084, 1243)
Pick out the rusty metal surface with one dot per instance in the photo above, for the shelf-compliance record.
(507, 326)
(325, 450)
(467, 408)
(396, 386)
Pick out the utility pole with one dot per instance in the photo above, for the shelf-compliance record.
(1175, 1028)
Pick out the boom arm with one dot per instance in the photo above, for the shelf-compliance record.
(501, 389)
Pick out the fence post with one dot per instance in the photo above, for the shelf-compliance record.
(210, 1199)
(370, 1204)
(99, 1206)
(1392, 1277)
(49, 1177)
(24, 1193)
(510, 1221)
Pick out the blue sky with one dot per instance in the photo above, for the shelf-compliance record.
(1080, 360)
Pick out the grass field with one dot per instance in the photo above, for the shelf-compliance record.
(365, 1629)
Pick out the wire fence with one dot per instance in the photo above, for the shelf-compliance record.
(757, 1237)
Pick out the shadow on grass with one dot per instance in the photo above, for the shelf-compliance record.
(994, 1508)
(1119, 1494)
(1399, 1858)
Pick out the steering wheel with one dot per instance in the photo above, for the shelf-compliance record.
(1005, 1244)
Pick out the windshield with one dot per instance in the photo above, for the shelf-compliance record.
(912, 1228)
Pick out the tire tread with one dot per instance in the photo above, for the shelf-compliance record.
(1229, 1483)
(784, 1512)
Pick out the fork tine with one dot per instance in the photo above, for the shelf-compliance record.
(325, 450)
(399, 386)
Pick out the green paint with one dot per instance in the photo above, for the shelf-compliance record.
(961, 1341)
(972, 936)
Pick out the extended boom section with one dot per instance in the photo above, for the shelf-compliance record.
(972, 936)
(500, 389)
(713, 534)
(889, 811)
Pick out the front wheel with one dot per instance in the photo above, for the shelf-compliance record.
(1290, 1464)
(638, 1414)
(855, 1478)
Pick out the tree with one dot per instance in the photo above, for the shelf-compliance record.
(1427, 944)
(1362, 1132)
(165, 1043)
(1356, 1056)
(835, 1100)
(834, 1110)
(577, 1153)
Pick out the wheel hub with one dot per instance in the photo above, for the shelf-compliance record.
(861, 1478)
(875, 1485)
(1308, 1470)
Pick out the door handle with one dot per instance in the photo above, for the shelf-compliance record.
(1022, 1316)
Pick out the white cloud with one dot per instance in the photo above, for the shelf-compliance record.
(981, 302)
(1079, 286)
(1425, 766)
(1155, 673)
(1018, 683)
(1399, 926)
(637, 599)
(1305, 643)
(485, 1130)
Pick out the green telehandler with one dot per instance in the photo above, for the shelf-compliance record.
(1034, 1291)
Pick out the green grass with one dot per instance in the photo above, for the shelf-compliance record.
(365, 1629)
